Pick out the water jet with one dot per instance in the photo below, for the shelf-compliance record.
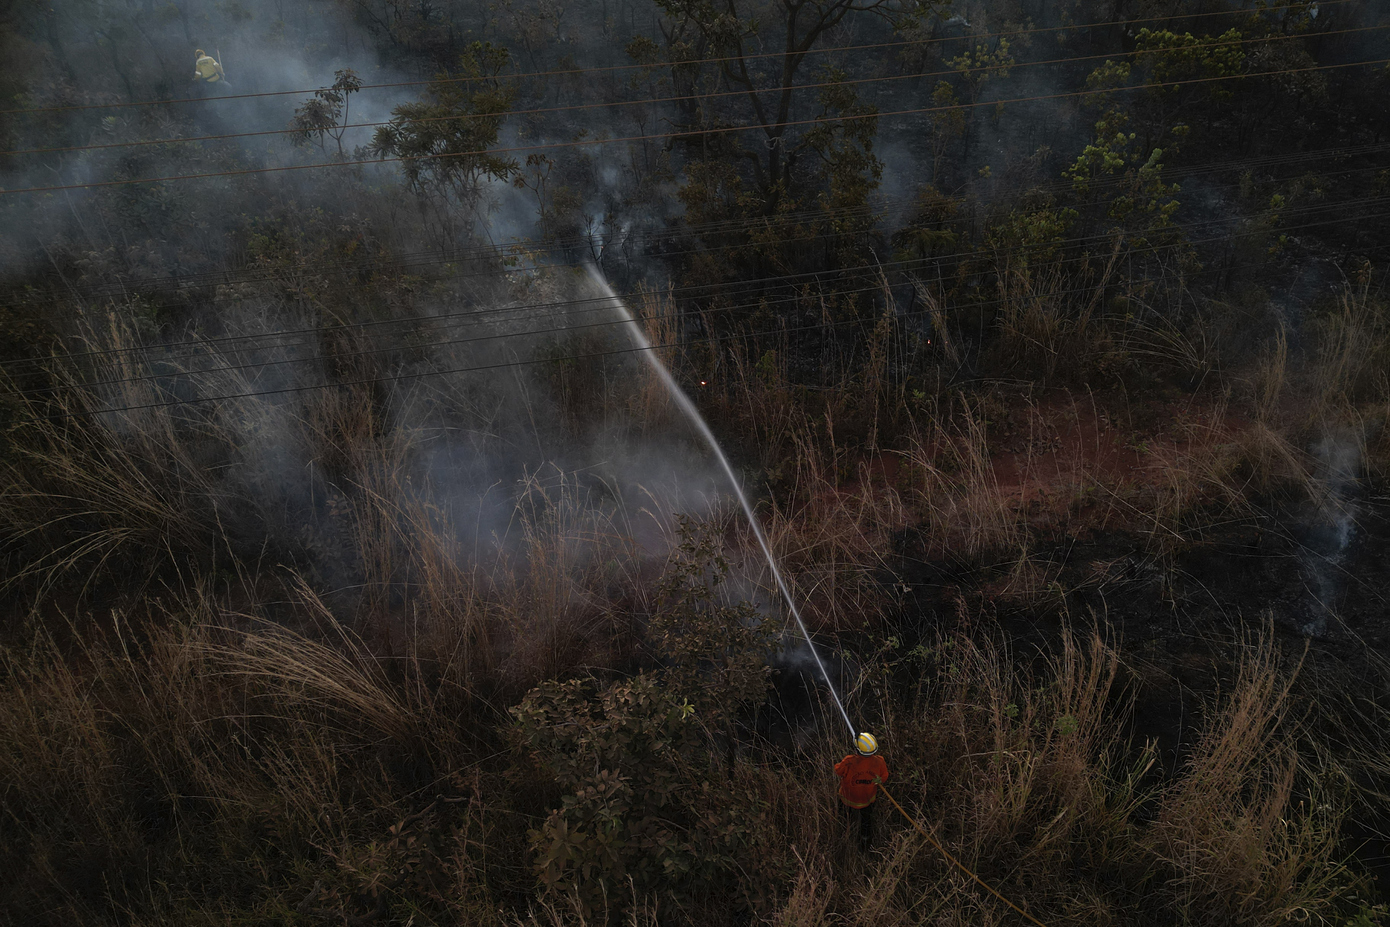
(697, 420)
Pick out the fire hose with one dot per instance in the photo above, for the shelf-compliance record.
(955, 862)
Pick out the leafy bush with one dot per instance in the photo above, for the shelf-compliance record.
(647, 806)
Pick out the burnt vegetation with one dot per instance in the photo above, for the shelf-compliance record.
(355, 569)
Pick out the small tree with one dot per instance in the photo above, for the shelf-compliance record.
(714, 653)
(443, 141)
(643, 793)
(326, 113)
(976, 67)
(732, 30)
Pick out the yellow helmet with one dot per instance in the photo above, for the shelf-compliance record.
(198, 52)
(866, 744)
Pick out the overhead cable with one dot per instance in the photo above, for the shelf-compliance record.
(414, 375)
(659, 100)
(739, 287)
(680, 63)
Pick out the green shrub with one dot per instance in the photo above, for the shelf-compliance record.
(647, 805)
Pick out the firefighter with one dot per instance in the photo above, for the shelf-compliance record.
(860, 774)
(208, 70)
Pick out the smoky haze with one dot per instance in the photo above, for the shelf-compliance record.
(473, 268)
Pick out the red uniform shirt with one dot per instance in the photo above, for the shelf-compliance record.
(857, 774)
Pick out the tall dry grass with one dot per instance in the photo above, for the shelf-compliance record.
(326, 740)
(1244, 845)
(650, 401)
(1024, 777)
(1351, 362)
(216, 766)
(1050, 330)
(190, 770)
(956, 491)
(833, 536)
(116, 486)
(94, 489)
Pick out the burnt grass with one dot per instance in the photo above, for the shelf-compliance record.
(1011, 383)
(1178, 618)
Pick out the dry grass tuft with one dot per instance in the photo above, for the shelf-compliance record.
(833, 536)
(97, 491)
(1021, 777)
(1351, 363)
(956, 490)
(326, 740)
(1241, 845)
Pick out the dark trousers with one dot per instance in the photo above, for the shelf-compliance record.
(861, 819)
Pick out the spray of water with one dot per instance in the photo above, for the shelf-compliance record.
(1339, 455)
(698, 421)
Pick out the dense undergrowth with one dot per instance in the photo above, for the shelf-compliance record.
(193, 772)
(354, 570)
(231, 698)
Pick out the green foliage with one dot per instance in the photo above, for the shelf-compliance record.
(1283, 16)
(644, 798)
(850, 169)
(1109, 76)
(1135, 196)
(443, 142)
(712, 189)
(729, 31)
(974, 68)
(714, 653)
(1171, 57)
(558, 205)
(1032, 234)
(321, 114)
(930, 229)
(631, 759)
(1369, 915)
(1187, 82)
(644, 51)
(947, 122)
(1118, 177)
(982, 64)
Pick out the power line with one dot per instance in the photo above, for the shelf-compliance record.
(704, 131)
(452, 342)
(659, 100)
(474, 314)
(466, 369)
(751, 285)
(685, 63)
(371, 352)
(448, 316)
(409, 260)
(586, 356)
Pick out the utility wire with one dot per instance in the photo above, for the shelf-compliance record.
(955, 862)
(592, 355)
(395, 378)
(415, 375)
(689, 133)
(659, 100)
(743, 286)
(684, 63)
(554, 330)
(415, 260)
(504, 314)
(369, 352)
